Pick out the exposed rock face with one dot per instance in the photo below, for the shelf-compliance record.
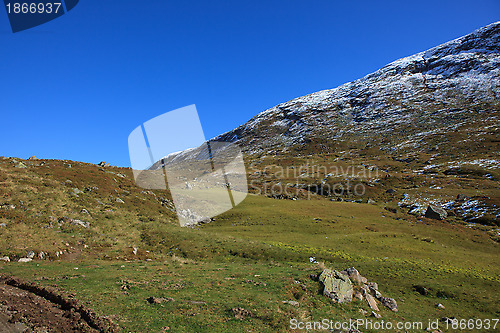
(389, 303)
(354, 275)
(337, 286)
(403, 102)
(371, 302)
(435, 212)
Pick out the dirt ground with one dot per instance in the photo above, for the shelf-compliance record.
(27, 307)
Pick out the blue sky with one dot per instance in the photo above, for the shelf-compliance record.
(75, 88)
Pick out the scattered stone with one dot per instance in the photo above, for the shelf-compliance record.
(389, 303)
(119, 200)
(84, 211)
(373, 285)
(357, 296)
(75, 191)
(81, 223)
(102, 164)
(461, 197)
(421, 290)
(371, 302)
(68, 182)
(63, 220)
(363, 312)
(32, 158)
(375, 293)
(371, 201)
(41, 255)
(21, 165)
(435, 212)
(3, 225)
(152, 299)
(440, 306)
(376, 315)
(354, 275)
(337, 286)
(240, 313)
(121, 175)
(25, 260)
(390, 190)
(30, 254)
(134, 251)
(294, 303)
(7, 259)
(256, 283)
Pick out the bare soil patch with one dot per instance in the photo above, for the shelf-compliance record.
(28, 307)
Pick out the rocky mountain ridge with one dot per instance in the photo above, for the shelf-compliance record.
(434, 90)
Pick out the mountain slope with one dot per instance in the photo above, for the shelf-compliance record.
(435, 90)
(428, 124)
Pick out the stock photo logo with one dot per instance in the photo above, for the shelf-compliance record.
(205, 178)
(28, 14)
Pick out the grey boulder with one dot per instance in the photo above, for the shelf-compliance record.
(435, 212)
(337, 286)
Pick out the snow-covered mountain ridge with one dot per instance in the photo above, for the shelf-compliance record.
(430, 91)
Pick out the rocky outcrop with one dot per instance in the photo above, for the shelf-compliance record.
(349, 284)
(435, 212)
(389, 303)
(337, 286)
(354, 275)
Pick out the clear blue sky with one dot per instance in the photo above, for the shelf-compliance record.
(75, 88)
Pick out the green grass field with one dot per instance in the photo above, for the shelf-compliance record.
(255, 256)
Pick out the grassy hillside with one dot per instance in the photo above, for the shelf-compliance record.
(255, 256)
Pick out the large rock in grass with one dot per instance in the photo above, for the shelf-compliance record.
(389, 303)
(337, 286)
(435, 212)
